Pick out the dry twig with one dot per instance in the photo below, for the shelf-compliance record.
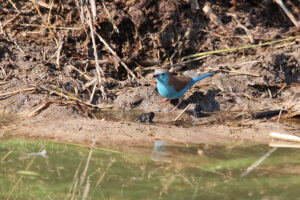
(40, 109)
(53, 27)
(109, 17)
(258, 162)
(60, 45)
(4, 82)
(284, 144)
(73, 186)
(288, 13)
(98, 68)
(81, 73)
(67, 95)
(14, 5)
(10, 20)
(44, 21)
(182, 112)
(93, 9)
(83, 175)
(112, 160)
(93, 93)
(212, 16)
(243, 27)
(286, 137)
(16, 92)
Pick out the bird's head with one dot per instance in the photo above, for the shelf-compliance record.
(162, 75)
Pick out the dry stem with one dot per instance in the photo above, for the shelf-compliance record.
(182, 112)
(18, 91)
(288, 13)
(44, 21)
(98, 68)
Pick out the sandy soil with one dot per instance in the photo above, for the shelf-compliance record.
(58, 124)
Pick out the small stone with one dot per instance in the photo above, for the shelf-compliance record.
(146, 117)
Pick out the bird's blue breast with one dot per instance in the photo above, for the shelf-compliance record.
(168, 91)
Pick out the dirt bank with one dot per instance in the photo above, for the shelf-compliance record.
(58, 123)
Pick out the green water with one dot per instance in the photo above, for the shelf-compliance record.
(169, 172)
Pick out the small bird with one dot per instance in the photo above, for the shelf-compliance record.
(174, 87)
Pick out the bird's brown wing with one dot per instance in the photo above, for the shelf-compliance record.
(179, 82)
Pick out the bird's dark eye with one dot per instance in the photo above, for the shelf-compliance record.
(163, 74)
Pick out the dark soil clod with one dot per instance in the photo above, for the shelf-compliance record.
(146, 117)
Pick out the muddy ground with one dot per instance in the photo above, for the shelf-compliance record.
(47, 61)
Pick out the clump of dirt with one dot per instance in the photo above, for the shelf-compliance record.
(47, 56)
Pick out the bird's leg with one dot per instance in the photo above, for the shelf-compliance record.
(165, 100)
(179, 102)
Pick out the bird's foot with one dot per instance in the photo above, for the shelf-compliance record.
(173, 109)
(179, 102)
(165, 100)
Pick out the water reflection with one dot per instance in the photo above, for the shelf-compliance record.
(42, 153)
(159, 153)
(165, 172)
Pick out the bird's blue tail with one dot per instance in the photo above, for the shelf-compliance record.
(199, 78)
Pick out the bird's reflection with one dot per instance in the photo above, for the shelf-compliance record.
(159, 153)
